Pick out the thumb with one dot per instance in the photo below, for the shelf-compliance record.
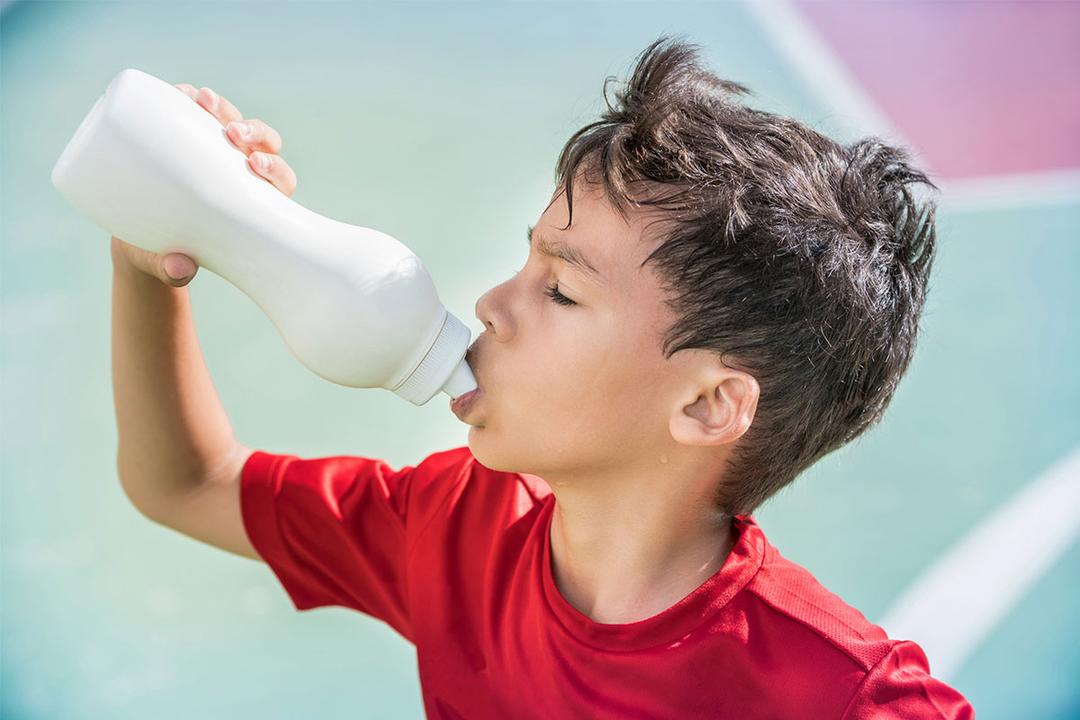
(177, 269)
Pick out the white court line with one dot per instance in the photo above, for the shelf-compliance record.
(955, 604)
(810, 57)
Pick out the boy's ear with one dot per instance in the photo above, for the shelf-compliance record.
(716, 408)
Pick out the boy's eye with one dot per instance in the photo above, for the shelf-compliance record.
(558, 297)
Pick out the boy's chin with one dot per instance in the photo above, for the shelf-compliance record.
(489, 453)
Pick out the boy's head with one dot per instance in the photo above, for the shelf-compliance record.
(755, 302)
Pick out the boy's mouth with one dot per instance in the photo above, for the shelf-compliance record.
(461, 405)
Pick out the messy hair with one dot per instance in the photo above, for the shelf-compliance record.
(797, 259)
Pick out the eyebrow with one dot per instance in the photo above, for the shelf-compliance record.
(567, 253)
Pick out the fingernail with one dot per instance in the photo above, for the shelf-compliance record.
(264, 161)
(242, 129)
(177, 268)
(213, 97)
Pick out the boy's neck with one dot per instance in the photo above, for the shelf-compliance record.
(619, 559)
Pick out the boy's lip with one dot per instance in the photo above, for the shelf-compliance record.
(461, 405)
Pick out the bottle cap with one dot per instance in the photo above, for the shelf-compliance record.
(443, 368)
(461, 381)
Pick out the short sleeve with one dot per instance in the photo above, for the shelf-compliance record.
(333, 530)
(900, 686)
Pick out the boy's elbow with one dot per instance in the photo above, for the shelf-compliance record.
(151, 496)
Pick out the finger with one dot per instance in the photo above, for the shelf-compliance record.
(176, 269)
(188, 89)
(259, 136)
(277, 171)
(218, 106)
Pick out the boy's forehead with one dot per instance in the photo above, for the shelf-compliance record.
(568, 252)
(600, 236)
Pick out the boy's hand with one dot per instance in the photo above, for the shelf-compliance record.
(261, 142)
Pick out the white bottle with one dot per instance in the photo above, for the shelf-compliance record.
(353, 304)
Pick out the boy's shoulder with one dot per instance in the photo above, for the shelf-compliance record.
(792, 592)
(817, 627)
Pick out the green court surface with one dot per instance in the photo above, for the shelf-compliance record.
(440, 124)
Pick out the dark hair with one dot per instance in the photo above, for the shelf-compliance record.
(803, 260)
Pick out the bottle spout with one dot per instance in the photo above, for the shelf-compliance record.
(461, 381)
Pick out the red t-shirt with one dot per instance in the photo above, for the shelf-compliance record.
(456, 558)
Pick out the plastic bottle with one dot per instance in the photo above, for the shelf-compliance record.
(353, 304)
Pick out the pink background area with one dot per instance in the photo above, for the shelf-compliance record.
(980, 88)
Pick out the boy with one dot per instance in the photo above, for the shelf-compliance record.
(715, 298)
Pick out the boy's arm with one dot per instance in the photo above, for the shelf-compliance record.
(177, 455)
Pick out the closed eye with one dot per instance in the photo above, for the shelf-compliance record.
(557, 297)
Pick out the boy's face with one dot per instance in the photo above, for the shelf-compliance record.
(576, 388)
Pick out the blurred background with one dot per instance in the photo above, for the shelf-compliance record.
(953, 523)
